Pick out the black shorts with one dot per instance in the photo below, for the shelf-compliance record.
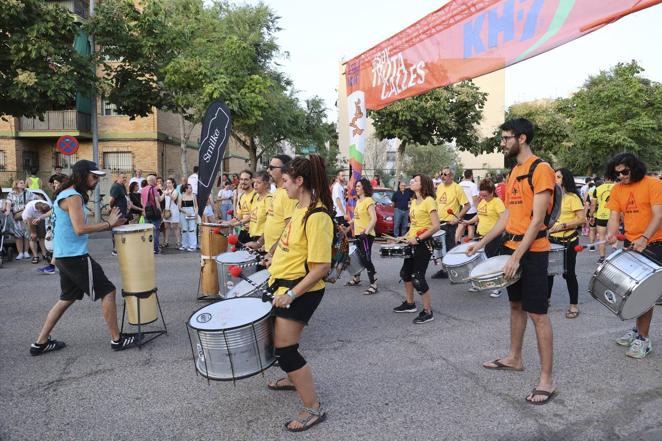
(302, 308)
(531, 288)
(601, 222)
(74, 280)
(41, 229)
(468, 216)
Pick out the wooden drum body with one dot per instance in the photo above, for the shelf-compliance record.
(213, 241)
(135, 252)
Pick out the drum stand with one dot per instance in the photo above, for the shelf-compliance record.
(140, 335)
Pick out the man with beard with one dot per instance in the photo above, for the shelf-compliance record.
(527, 202)
(79, 273)
(243, 214)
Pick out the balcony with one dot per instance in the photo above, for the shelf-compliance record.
(55, 122)
(78, 7)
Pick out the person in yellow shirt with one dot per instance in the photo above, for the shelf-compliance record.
(365, 218)
(424, 222)
(259, 207)
(564, 232)
(301, 261)
(243, 213)
(599, 198)
(450, 196)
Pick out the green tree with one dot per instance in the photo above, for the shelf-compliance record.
(39, 67)
(429, 159)
(445, 115)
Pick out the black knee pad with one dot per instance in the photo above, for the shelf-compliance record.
(289, 358)
(419, 282)
(405, 276)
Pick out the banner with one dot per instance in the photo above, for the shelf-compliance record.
(468, 38)
(357, 124)
(214, 137)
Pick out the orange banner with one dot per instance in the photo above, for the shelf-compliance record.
(468, 38)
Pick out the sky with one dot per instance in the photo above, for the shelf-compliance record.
(318, 35)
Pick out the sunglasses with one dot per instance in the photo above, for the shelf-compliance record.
(624, 172)
(272, 167)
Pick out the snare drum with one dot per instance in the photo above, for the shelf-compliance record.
(459, 265)
(135, 252)
(232, 339)
(627, 283)
(489, 274)
(245, 260)
(211, 245)
(439, 244)
(556, 265)
(248, 289)
(355, 265)
(396, 250)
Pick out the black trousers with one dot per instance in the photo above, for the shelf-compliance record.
(570, 274)
(364, 248)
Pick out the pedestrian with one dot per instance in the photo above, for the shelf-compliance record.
(401, 199)
(339, 200)
(259, 209)
(601, 213)
(137, 210)
(33, 182)
(171, 213)
(138, 177)
(471, 192)
(150, 199)
(188, 207)
(34, 215)
(18, 197)
(224, 197)
(193, 180)
(118, 199)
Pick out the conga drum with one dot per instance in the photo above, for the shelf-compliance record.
(135, 252)
(213, 241)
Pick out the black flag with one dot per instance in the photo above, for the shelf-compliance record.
(214, 137)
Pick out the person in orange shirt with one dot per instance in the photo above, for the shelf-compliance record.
(527, 203)
(639, 199)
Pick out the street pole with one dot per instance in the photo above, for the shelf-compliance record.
(95, 128)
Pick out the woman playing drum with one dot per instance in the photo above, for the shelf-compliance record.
(424, 223)
(564, 232)
(300, 262)
(365, 218)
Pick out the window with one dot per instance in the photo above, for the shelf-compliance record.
(118, 161)
(64, 161)
(3, 164)
(109, 109)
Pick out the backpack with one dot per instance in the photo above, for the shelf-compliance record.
(557, 196)
(339, 245)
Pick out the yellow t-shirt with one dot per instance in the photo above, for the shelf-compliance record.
(296, 247)
(601, 194)
(245, 205)
(281, 208)
(450, 196)
(569, 205)
(259, 209)
(362, 215)
(488, 214)
(419, 215)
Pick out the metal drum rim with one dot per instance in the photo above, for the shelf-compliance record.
(188, 321)
(243, 377)
(123, 230)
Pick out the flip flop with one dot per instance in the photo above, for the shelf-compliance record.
(534, 392)
(571, 314)
(276, 386)
(498, 366)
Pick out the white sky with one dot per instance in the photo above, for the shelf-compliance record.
(319, 34)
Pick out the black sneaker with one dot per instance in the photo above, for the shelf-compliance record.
(424, 317)
(50, 345)
(125, 342)
(405, 307)
(441, 274)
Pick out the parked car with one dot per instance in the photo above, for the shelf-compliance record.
(384, 210)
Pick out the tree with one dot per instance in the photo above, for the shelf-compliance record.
(39, 66)
(445, 115)
(429, 159)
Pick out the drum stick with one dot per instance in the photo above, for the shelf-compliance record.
(580, 248)
(452, 213)
(393, 238)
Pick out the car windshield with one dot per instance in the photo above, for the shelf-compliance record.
(382, 197)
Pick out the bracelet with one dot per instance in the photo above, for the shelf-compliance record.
(109, 226)
(647, 239)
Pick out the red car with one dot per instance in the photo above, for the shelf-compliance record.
(384, 209)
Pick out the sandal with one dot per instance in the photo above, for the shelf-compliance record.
(278, 386)
(353, 282)
(35, 259)
(534, 392)
(372, 289)
(571, 314)
(165, 245)
(315, 416)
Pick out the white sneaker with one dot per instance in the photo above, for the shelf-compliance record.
(640, 347)
(627, 338)
(496, 293)
(19, 256)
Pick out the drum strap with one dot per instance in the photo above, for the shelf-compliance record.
(283, 283)
(563, 240)
(519, 237)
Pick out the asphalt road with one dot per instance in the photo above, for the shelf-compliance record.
(380, 377)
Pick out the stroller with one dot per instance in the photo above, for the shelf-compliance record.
(6, 236)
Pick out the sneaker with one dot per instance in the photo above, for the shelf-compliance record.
(190, 250)
(496, 293)
(591, 247)
(405, 307)
(423, 317)
(627, 338)
(441, 274)
(640, 347)
(19, 256)
(181, 249)
(125, 342)
(48, 269)
(601, 260)
(113, 253)
(473, 289)
(50, 345)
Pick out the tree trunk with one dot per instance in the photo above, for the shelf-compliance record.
(399, 162)
(183, 160)
(252, 152)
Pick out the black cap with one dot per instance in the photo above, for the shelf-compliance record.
(85, 166)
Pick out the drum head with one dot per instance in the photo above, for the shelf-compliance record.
(235, 257)
(244, 288)
(462, 248)
(229, 314)
(557, 247)
(352, 249)
(439, 234)
(132, 228)
(493, 265)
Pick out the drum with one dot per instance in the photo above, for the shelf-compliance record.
(556, 265)
(459, 265)
(232, 339)
(211, 245)
(396, 250)
(627, 283)
(247, 261)
(135, 252)
(488, 275)
(355, 265)
(439, 244)
(247, 289)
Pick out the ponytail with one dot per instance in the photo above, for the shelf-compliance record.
(313, 172)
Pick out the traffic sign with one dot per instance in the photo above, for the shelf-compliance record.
(67, 145)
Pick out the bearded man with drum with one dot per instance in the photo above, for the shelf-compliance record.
(639, 198)
(527, 202)
(79, 273)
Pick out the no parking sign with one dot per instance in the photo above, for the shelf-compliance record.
(67, 145)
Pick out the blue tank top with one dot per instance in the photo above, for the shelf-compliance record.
(66, 243)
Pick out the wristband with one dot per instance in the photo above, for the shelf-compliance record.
(647, 239)
(109, 226)
(291, 294)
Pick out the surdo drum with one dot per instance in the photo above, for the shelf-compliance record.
(489, 274)
(232, 339)
(396, 250)
(247, 289)
(355, 265)
(556, 265)
(135, 252)
(213, 241)
(459, 265)
(628, 283)
(439, 244)
(245, 260)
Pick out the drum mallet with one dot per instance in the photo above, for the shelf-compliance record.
(237, 272)
(452, 213)
(580, 248)
(233, 240)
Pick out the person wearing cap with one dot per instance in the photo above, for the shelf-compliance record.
(79, 273)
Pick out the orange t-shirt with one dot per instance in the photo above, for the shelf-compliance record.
(519, 200)
(636, 202)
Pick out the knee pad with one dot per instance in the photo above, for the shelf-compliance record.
(289, 358)
(419, 282)
(405, 276)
